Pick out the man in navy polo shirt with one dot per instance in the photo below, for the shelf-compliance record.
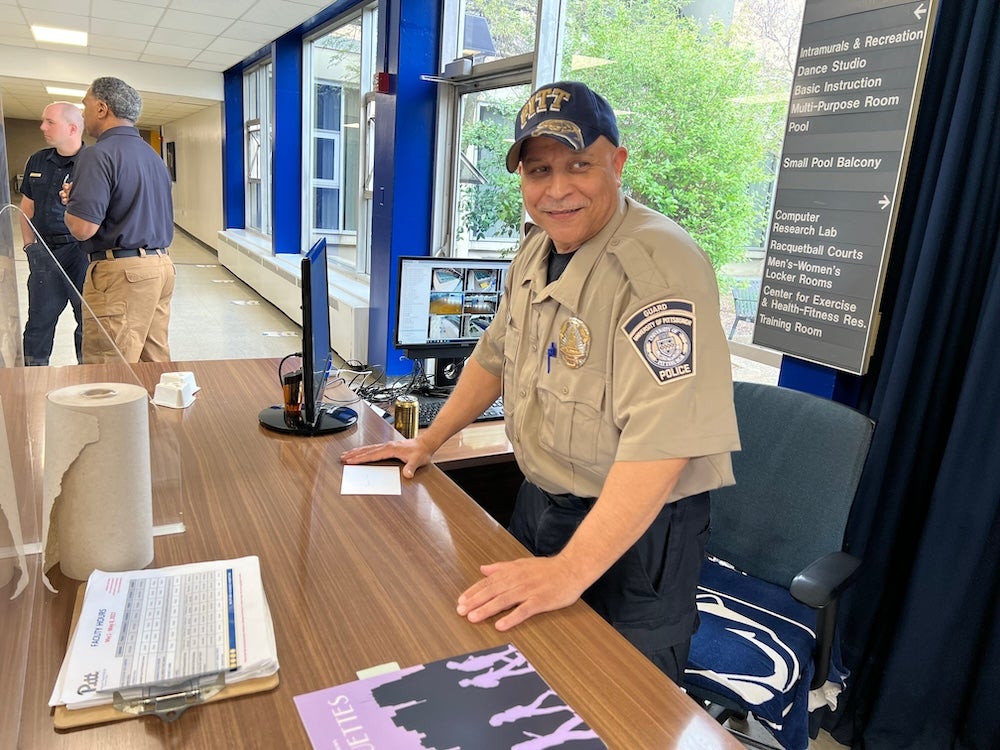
(120, 203)
(55, 262)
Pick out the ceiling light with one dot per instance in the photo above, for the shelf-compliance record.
(63, 91)
(59, 36)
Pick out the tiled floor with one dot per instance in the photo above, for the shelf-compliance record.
(214, 315)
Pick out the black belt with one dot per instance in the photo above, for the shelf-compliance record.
(122, 252)
(58, 239)
(569, 500)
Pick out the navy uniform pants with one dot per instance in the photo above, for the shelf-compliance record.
(51, 284)
(648, 595)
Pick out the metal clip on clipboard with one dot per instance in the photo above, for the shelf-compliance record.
(170, 705)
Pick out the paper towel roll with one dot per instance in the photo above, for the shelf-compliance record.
(97, 489)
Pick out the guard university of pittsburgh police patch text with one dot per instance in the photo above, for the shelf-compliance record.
(663, 334)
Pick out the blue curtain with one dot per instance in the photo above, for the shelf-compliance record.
(921, 626)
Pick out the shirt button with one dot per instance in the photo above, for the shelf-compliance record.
(522, 393)
(565, 390)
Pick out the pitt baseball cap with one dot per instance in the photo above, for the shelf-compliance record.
(567, 111)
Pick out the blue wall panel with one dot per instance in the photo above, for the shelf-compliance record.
(286, 156)
(819, 380)
(409, 41)
(233, 186)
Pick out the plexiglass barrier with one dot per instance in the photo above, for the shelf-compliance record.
(38, 457)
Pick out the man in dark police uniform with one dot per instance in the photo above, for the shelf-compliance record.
(53, 280)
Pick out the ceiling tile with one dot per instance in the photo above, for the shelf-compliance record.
(117, 53)
(11, 14)
(116, 10)
(56, 5)
(254, 32)
(175, 19)
(278, 13)
(168, 52)
(185, 39)
(221, 8)
(102, 42)
(55, 18)
(120, 28)
(220, 58)
(201, 35)
(233, 47)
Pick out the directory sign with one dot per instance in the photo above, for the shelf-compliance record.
(850, 121)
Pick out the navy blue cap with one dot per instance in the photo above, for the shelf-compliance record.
(567, 111)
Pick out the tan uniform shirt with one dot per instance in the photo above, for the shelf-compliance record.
(623, 358)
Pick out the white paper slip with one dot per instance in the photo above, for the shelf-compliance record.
(370, 480)
(164, 626)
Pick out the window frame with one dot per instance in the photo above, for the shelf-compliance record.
(359, 238)
(258, 118)
(530, 68)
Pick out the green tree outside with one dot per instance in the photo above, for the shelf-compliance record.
(696, 112)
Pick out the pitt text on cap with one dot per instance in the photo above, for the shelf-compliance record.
(663, 335)
(568, 111)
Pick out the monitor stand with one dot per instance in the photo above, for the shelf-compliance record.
(331, 419)
(447, 370)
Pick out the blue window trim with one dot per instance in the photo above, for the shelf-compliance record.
(408, 47)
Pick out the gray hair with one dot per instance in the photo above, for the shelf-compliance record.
(123, 100)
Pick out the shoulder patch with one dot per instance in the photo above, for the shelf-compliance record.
(663, 335)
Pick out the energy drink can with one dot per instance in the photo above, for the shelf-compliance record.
(407, 416)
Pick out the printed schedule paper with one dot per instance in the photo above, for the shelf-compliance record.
(164, 626)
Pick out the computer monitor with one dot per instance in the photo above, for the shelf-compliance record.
(317, 357)
(443, 305)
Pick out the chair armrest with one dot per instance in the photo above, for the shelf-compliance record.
(822, 581)
(818, 586)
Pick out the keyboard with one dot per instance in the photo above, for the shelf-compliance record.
(431, 405)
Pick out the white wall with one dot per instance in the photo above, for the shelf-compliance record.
(197, 143)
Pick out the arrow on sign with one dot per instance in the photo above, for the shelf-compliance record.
(919, 11)
(884, 202)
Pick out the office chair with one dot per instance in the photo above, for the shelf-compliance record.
(768, 592)
(745, 297)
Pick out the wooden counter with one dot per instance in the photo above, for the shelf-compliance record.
(352, 581)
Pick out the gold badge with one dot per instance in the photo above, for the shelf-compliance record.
(574, 342)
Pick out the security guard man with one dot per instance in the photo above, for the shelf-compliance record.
(53, 280)
(617, 390)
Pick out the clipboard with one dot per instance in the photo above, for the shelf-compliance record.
(73, 718)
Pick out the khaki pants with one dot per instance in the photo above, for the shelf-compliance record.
(129, 308)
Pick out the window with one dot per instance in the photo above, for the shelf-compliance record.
(700, 89)
(494, 29)
(257, 118)
(338, 73)
(720, 75)
(488, 208)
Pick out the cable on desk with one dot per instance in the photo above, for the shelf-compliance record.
(281, 364)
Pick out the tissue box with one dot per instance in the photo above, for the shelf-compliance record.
(175, 390)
